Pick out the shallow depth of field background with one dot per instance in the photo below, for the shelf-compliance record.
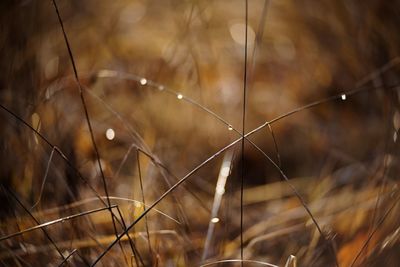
(133, 59)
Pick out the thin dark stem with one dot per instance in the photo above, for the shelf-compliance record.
(87, 117)
(83, 101)
(243, 131)
(144, 205)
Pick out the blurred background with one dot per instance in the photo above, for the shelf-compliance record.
(163, 86)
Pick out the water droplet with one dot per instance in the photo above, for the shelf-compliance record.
(230, 128)
(110, 134)
(161, 87)
(343, 96)
(215, 220)
(179, 96)
(143, 81)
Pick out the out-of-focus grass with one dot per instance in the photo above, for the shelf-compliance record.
(135, 60)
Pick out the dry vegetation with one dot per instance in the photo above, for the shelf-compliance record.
(146, 138)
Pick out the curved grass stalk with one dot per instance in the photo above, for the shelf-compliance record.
(59, 220)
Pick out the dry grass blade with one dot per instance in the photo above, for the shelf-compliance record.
(39, 226)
